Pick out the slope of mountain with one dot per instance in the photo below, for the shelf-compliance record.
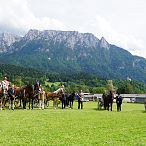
(70, 52)
(6, 40)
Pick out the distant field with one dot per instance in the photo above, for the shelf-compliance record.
(54, 83)
(73, 127)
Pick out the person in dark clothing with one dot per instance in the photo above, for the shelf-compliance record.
(104, 96)
(24, 98)
(119, 102)
(12, 94)
(64, 100)
(145, 104)
(110, 100)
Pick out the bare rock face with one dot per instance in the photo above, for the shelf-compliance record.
(103, 43)
(6, 40)
(70, 38)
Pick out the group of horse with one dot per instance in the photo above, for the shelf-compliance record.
(30, 94)
(106, 101)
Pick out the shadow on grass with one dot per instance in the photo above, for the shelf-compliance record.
(96, 109)
(143, 111)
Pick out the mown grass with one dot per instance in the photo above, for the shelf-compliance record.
(73, 127)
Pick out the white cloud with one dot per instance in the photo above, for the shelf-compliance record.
(102, 27)
(111, 19)
(17, 15)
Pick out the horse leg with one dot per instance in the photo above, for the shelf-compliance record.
(111, 106)
(70, 104)
(54, 104)
(20, 102)
(108, 106)
(47, 102)
(62, 103)
(5, 99)
(12, 101)
(24, 103)
(29, 102)
(37, 100)
(0, 104)
(40, 104)
(32, 102)
(43, 105)
(105, 104)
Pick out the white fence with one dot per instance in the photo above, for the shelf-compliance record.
(137, 98)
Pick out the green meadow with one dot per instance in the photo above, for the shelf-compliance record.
(73, 127)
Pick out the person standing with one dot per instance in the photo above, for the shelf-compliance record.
(5, 85)
(64, 100)
(145, 104)
(119, 102)
(110, 100)
(80, 100)
(41, 98)
(12, 94)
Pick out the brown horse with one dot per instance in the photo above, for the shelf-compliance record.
(19, 96)
(55, 97)
(28, 95)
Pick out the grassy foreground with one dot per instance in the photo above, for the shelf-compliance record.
(73, 127)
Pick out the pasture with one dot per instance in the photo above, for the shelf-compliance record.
(73, 127)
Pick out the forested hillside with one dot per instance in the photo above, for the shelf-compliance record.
(73, 82)
(72, 52)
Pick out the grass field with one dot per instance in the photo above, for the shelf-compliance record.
(73, 127)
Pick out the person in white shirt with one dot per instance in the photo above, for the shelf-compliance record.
(5, 86)
(5, 83)
(80, 99)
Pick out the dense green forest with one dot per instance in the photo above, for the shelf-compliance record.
(73, 82)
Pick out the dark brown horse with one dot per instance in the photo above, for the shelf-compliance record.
(31, 94)
(28, 95)
(108, 100)
(19, 96)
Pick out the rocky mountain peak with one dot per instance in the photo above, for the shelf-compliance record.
(66, 51)
(32, 34)
(6, 40)
(70, 38)
(103, 43)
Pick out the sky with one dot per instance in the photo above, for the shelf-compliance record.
(120, 22)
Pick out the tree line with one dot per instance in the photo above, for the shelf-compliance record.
(73, 82)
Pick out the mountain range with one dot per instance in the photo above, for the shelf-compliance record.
(71, 52)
